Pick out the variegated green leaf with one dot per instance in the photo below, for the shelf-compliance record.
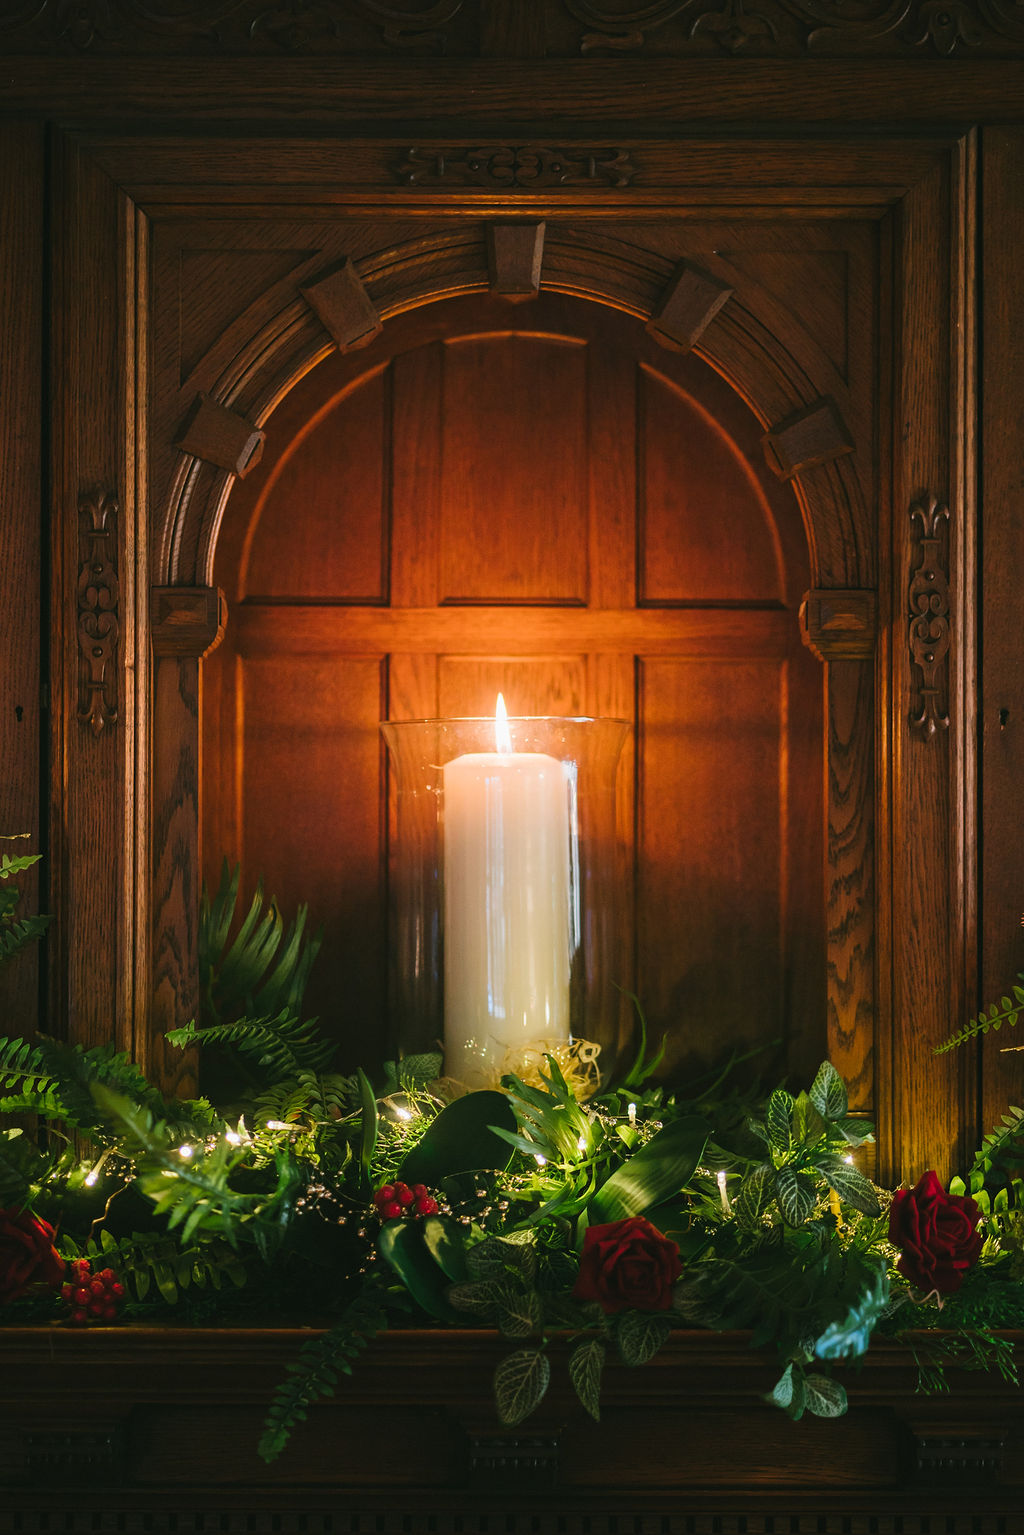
(520, 1382)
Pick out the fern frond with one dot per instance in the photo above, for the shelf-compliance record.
(770, 1298)
(15, 936)
(22, 1065)
(24, 1166)
(55, 1081)
(190, 1187)
(261, 972)
(1003, 1146)
(151, 1260)
(283, 1045)
(19, 863)
(1006, 1010)
(314, 1375)
(320, 1097)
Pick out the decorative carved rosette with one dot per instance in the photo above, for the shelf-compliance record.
(929, 632)
(98, 596)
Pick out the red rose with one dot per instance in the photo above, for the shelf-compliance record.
(27, 1254)
(937, 1233)
(628, 1265)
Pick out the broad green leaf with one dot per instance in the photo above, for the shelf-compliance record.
(520, 1382)
(444, 1242)
(824, 1397)
(855, 1131)
(368, 1135)
(850, 1184)
(165, 1282)
(402, 1245)
(658, 1170)
(462, 1139)
(776, 1121)
(795, 1193)
(673, 1219)
(585, 1365)
(639, 1335)
(828, 1092)
(808, 1126)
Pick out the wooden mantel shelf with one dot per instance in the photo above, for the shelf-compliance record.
(155, 1429)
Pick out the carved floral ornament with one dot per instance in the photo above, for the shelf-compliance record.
(98, 596)
(767, 28)
(929, 631)
(520, 167)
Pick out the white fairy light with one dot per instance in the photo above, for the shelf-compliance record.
(721, 1178)
(232, 1137)
(631, 1111)
(403, 1113)
(277, 1124)
(540, 1161)
(581, 1144)
(91, 1177)
(848, 1158)
(186, 1152)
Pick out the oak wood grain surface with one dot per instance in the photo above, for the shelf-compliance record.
(21, 449)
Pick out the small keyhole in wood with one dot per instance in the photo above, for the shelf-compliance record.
(1004, 715)
(18, 712)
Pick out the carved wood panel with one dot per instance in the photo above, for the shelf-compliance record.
(522, 28)
(778, 232)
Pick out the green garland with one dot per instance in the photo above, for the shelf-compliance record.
(526, 1209)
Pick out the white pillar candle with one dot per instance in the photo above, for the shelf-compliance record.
(507, 932)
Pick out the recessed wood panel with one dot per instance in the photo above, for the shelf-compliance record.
(321, 527)
(468, 685)
(514, 480)
(705, 532)
(311, 817)
(713, 851)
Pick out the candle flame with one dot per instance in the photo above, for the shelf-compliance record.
(502, 734)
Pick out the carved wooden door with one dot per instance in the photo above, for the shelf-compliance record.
(536, 498)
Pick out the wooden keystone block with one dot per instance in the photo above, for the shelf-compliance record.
(687, 307)
(219, 435)
(515, 253)
(345, 309)
(815, 435)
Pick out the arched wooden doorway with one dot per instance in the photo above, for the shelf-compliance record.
(538, 498)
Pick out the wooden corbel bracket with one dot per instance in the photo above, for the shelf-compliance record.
(839, 625)
(187, 621)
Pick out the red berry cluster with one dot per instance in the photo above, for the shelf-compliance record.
(396, 1199)
(91, 1297)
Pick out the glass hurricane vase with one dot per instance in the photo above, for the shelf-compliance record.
(507, 895)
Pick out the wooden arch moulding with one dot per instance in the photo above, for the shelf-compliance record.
(899, 927)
